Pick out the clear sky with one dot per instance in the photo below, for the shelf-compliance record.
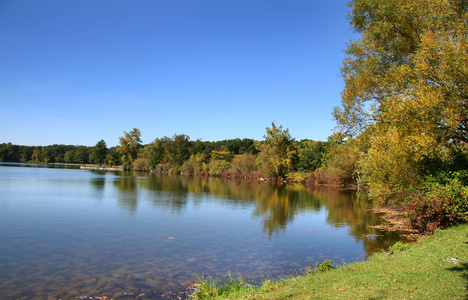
(78, 71)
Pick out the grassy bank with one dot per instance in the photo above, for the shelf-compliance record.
(436, 267)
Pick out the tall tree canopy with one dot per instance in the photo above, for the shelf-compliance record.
(99, 152)
(130, 145)
(406, 86)
(278, 154)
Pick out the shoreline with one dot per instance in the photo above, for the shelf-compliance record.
(433, 267)
(93, 167)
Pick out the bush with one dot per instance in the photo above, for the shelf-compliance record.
(188, 167)
(438, 206)
(141, 164)
(323, 267)
(163, 168)
(297, 177)
(399, 246)
(217, 167)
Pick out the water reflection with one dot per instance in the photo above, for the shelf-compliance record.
(275, 207)
(121, 219)
(128, 192)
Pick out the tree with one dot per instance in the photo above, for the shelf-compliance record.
(81, 155)
(310, 155)
(223, 154)
(68, 156)
(113, 156)
(244, 164)
(406, 87)
(99, 153)
(141, 164)
(278, 154)
(341, 163)
(154, 152)
(9, 152)
(26, 153)
(176, 149)
(36, 155)
(217, 167)
(130, 145)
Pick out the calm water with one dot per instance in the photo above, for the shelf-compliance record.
(65, 233)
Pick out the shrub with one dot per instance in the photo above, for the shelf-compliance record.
(217, 167)
(141, 164)
(244, 164)
(399, 246)
(297, 177)
(438, 206)
(163, 168)
(323, 267)
(188, 167)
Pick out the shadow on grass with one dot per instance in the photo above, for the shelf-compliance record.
(462, 269)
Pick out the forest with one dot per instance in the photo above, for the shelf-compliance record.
(402, 126)
(275, 157)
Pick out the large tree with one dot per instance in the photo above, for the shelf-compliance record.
(406, 86)
(177, 149)
(99, 152)
(310, 155)
(130, 145)
(278, 153)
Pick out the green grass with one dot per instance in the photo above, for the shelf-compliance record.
(436, 267)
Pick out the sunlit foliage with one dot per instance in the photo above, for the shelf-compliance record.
(130, 145)
(406, 88)
(278, 154)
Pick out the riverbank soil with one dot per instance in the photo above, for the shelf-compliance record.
(434, 267)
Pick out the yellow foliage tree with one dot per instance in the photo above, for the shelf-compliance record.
(406, 87)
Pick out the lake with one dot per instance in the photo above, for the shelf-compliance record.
(67, 233)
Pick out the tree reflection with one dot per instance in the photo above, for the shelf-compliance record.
(128, 192)
(167, 192)
(275, 207)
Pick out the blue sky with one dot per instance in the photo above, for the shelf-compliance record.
(78, 71)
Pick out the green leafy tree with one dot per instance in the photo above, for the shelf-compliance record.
(26, 153)
(310, 155)
(176, 149)
(69, 156)
(154, 152)
(81, 155)
(130, 145)
(113, 157)
(198, 146)
(9, 152)
(99, 152)
(217, 167)
(223, 154)
(46, 155)
(278, 153)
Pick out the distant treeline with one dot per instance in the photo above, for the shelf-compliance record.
(277, 156)
(84, 154)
